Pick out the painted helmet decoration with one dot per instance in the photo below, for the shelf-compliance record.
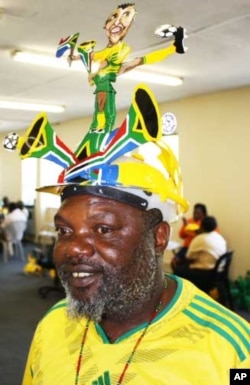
(132, 162)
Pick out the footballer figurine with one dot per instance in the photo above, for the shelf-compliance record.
(105, 65)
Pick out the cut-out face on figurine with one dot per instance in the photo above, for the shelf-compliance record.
(119, 22)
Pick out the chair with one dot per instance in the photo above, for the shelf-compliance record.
(218, 280)
(12, 245)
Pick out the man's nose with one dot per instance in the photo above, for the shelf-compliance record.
(82, 245)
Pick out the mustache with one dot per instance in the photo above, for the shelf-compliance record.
(65, 270)
(79, 260)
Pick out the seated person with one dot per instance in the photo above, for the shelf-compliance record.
(188, 231)
(203, 252)
(5, 205)
(21, 206)
(14, 215)
(207, 247)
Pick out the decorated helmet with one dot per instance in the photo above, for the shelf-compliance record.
(131, 164)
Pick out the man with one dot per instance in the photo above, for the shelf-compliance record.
(123, 320)
(105, 65)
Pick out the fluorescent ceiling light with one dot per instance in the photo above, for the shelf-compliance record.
(30, 106)
(45, 60)
(143, 75)
(138, 74)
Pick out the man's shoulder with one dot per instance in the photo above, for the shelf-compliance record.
(56, 310)
(221, 321)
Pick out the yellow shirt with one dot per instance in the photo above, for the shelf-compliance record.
(194, 341)
(114, 56)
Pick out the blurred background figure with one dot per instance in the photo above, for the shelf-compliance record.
(12, 229)
(206, 248)
(190, 228)
(14, 214)
(203, 252)
(4, 203)
(21, 206)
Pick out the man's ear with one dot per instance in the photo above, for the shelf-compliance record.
(162, 234)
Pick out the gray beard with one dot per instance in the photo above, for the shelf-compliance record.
(124, 289)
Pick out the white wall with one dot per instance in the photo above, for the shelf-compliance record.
(214, 132)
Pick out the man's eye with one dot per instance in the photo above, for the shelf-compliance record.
(61, 230)
(103, 230)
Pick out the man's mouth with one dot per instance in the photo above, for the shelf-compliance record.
(81, 274)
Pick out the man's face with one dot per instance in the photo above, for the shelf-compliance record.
(118, 24)
(104, 256)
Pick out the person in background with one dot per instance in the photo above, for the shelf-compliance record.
(124, 321)
(203, 252)
(5, 205)
(21, 206)
(4, 208)
(190, 228)
(14, 214)
(207, 247)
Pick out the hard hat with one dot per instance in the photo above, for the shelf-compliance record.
(133, 165)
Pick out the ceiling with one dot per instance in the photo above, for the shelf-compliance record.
(218, 53)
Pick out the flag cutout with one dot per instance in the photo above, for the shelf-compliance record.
(67, 43)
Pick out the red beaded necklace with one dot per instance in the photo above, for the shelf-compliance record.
(128, 362)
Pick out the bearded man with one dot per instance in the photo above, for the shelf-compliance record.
(124, 321)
